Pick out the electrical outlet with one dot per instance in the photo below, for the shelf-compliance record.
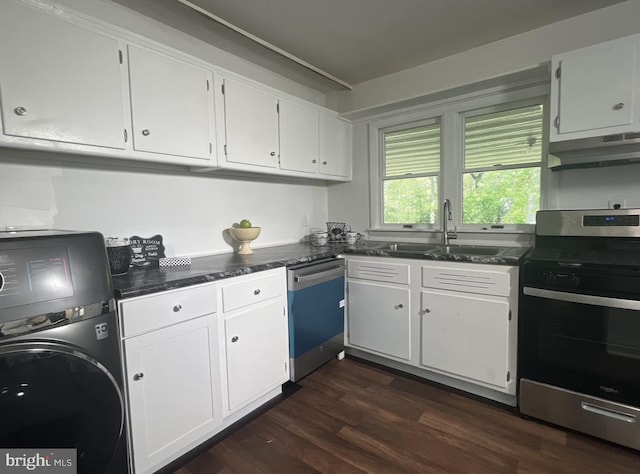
(617, 203)
(305, 220)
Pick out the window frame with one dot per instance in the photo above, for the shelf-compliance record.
(449, 113)
(494, 108)
(382, 164)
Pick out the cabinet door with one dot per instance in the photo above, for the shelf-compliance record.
(257, 352)
(59, 81)
(251, 125)
(335, 146)
(596, 89)
(298, 137)
(466, 335)
(379, 318)
(173, 400)
(170, 105)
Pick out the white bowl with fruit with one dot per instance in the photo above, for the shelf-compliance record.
(244, 233)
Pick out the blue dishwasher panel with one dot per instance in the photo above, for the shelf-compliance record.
(315, 315)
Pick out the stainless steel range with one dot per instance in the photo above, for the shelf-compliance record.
(579, 326)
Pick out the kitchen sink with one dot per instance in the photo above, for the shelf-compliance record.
(438, 248)
(470, 250)
(412, 247)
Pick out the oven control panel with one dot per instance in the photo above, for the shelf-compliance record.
(611, 220)
(561, 279)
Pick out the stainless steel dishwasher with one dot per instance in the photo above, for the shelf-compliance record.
(316, 314)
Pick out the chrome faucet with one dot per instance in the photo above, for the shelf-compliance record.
(447, 216)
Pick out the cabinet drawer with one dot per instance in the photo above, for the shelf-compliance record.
(251, 291)
(378, 271)
(469, 280)
(151, 312)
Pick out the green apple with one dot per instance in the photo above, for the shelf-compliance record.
(245, 223)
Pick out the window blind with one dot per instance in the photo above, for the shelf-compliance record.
(412, 151)
(508, 138)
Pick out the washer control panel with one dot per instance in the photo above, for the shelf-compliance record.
(34, 276)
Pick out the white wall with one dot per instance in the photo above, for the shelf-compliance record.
(507, 56)
(190, 211)
(587, 188)
(593, 188)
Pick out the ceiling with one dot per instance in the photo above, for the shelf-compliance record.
(358, 40)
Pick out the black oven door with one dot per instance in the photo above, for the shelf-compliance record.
(581, 342)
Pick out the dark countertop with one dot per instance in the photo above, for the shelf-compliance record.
(505, 255)
(146, 280)
(140, 281)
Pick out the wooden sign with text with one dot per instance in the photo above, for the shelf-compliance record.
(146, 251)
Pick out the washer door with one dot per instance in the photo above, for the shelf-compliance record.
(52, 396)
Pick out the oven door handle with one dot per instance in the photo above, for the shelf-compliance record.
(616, 415)
(584, 299)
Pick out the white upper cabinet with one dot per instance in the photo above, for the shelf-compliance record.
(59, 81)
(264, 132)
(298, 137)
(250, 126)
(335, 146)
(596, 90)
(171, 105)
(70, 83)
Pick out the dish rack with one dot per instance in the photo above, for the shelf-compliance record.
(337, 231)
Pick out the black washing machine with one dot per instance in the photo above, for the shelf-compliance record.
(61, 382)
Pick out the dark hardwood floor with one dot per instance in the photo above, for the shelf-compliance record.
(351, 417)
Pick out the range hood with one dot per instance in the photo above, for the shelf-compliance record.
(619, 149)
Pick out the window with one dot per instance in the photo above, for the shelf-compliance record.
(502, 155)
(483, 152)
(411, 170)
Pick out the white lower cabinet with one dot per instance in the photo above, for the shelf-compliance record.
(199, 359)
(254, 337)
(172, 374)
(451, 322)
(468, 327)
(466, 335)
(255, 343)
(379, 318)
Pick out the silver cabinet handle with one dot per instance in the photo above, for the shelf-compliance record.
(138, 376)
(427, 310)
(618, 106)
(146, 132)
(324, 162)
(273, 153)
(234, 339)
(256, 292)
(314, 161)
(177, 308)
(20, 111)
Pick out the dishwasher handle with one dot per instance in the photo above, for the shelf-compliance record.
(309, 279)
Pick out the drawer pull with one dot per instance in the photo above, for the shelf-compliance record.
(616, 415)
(256, 292)
(138, 376)
(399, 306)
(234, 339)
(177, 308)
